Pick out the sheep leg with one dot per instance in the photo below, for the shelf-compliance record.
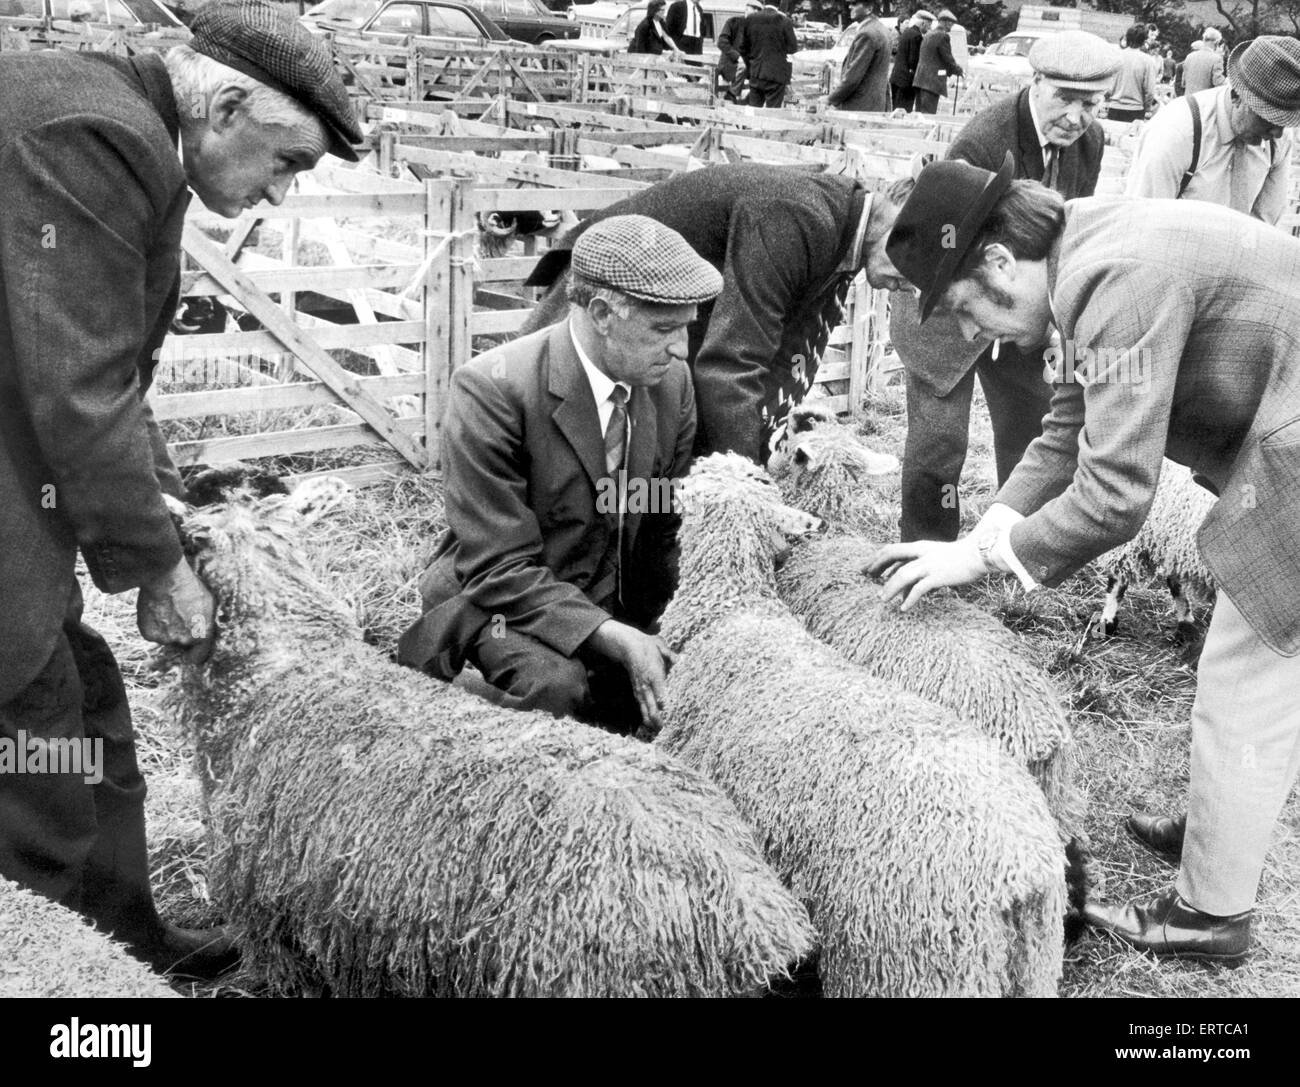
(1106, 620)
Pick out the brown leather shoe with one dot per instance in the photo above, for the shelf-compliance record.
(1165, 925)
(1161, 834)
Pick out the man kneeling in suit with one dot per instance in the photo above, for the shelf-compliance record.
(561, 450)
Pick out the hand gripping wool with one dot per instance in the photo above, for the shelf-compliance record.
(47, 950)
(376, 832)
(944, 648)
(927, 857)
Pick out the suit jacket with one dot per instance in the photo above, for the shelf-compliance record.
(730, 62)
(524, 454)
(646, 39)
(777, 236)
(864, 76)
(94, 200)
(766, 39)
(937, 353)
(907, 57)
(675, 22)
(1202, 70)
(935, 63)
(1193, 323)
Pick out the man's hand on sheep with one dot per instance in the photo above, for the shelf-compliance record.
(177, 609)
(920, 567)
(645, 657)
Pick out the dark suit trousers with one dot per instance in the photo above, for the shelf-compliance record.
(925, 101)
(526, 674)
(80, 844)
(938, 431)
(767, 93)
(903, 97)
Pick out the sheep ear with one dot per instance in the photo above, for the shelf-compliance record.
(795, 522)
(318, 497)
(880, 464)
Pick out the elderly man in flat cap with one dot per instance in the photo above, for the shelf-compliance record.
(1048, 130)
(934, 64)
(561, 452)
(788, 245)
(906, 58)
(1228, 145)
(94, 197)
(1178, 339)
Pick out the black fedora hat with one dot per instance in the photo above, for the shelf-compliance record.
(941, 220)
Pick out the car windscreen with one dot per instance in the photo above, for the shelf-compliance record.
(345, 12)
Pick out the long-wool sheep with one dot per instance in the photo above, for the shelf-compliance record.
(376, 832)
(47, 950)
(944, 648)
(1164, 547)
(929, 859)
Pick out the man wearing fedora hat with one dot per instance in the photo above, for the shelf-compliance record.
(560, 454)
(95, 198)
(1048, 129)
(1228, 145)
(1177, 339)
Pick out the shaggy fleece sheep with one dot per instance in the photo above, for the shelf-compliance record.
(49, 951)
(929, 860)
(376, 832)
(944, 648)
(1165, 547)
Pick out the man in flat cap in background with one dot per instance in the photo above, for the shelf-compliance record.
(864, 75)
(95, 196)
(1048, 132)
(1228, 145)
(561, 451)
(934, 64)
(788, 245)
(1178, 337)
(906, 59)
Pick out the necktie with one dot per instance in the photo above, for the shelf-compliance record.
(616, 431)
(1052, 171)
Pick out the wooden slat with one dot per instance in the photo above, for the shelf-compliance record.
(324, 334)
(332, 205)
(282, 443)
(319, 279)
(298, 342)
(362, 475)
(546, 199)
(491, 322)
(299, 394)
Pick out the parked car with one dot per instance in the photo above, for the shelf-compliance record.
(1007, 58)
(527, 20)
(100, 12)
(393, 20)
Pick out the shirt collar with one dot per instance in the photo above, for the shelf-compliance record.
(853, 258)
(601, 384)
(1043, 142)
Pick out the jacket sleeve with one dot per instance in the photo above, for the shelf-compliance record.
(1272, 199)
(1164, 153)
(499, 563)
(1087, 484)
(856, 64)
(945, 55)
(791, 39)
(727, 41)
(675, 18)
(84, 243)
(765, 271)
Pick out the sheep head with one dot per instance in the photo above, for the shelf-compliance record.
(829, 470)
(735, 530)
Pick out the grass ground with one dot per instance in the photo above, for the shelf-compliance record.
(1129, 700)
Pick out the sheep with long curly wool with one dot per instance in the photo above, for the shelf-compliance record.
(944, 648)
(928, 858)
(376, 832)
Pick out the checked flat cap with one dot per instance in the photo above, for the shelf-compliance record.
(644, 259)
(268, 45)
(1075, 60)
(1266, 74)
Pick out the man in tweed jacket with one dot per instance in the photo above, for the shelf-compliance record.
(94, 204)
(1048, 130)
(1177, 339)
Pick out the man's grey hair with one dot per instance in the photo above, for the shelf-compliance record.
(581, 291)
(1212, 36)
(196, 77)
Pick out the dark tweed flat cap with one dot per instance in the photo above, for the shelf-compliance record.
(268, 45)
(1075, 60)
(644, 259)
